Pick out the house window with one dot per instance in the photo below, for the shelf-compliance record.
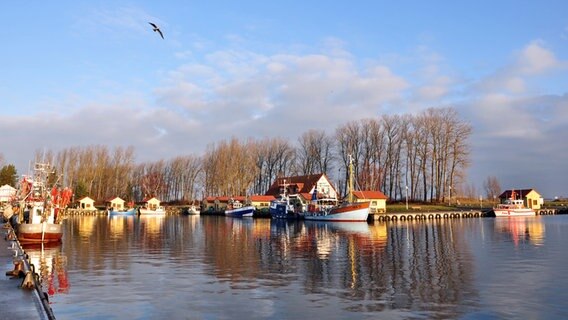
(373, 203)
(535, 202)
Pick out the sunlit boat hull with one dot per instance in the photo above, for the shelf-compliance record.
(131, 212)
(40, 232)
(514, 212)
(247, 211)
(350, 212)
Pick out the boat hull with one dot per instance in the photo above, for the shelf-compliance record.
(39, 233)
(282, 211)
(514, 212)
(247, 211)
(351, 212)
(131, 212)
(149, 212)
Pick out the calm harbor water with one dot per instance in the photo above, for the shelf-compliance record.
(191, 267)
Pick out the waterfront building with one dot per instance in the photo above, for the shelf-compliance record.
(378, 200)
(86, 203)
(531, 198)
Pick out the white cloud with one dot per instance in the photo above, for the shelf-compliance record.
(536, 59)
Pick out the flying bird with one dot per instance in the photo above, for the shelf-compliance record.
(156, 29)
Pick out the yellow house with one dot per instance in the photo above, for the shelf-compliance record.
(152, 203)
(378, 200)
(261, 202)
(87, 203)
(531, 198)
(116, 203)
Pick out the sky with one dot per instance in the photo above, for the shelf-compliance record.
(79, 73)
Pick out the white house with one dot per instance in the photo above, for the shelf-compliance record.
(6, 193)
(87, 203)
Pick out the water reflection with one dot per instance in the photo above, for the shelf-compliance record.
(521, 229)
(51, 265)
(211, 266)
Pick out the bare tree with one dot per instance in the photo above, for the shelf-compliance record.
(492, 187)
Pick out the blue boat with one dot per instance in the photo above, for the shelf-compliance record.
(236, 209)
(129, 212)
(281, 208)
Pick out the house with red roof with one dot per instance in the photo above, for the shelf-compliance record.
(378, 200)
(531, 198)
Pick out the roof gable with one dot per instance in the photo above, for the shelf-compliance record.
(303, 184)
(519, 193)
(368, 194)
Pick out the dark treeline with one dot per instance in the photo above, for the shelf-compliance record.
(424, 155)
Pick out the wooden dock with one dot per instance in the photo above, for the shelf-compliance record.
(411, 216)
(20, 293)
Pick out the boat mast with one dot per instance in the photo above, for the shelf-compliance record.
(350, 179)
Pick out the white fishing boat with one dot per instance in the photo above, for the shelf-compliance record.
(327, 209)
(513, 207)
(40, 211)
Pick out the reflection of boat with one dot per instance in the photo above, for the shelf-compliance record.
(129, 212)
(359, 228)
(328, 210)
(522, 229)
(41, 211)
(513, 207)
(51, 265)
(236, 209)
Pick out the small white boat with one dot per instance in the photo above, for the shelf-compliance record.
(126, 212)
(513, 208)
(152, 211)
(193, 210)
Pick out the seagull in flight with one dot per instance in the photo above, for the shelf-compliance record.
(156, 29)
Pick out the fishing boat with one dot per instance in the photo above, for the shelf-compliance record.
(282, 208)
(40, 211)
(513, 207)
(327, 209)
(236, 209)
(126, 212)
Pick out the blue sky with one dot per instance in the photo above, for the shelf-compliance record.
(93, 72)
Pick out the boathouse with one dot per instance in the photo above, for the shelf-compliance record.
(378, 200)
(152, 203)
(302, 188)
(531, 198)
(260, 201)
(6, 193)
(86, 203)
(116, 203)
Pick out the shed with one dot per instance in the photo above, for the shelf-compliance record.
(116, 203)
(87, 203)
(7, 192)
(378, 200)
(152, 203)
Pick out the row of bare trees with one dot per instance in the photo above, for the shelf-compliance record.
(421, 156)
